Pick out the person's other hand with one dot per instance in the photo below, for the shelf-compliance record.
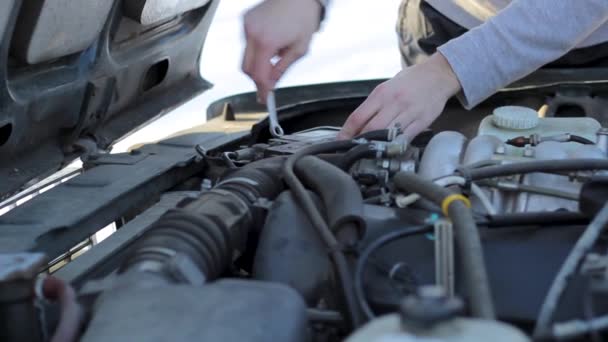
(277, 31)
(414, 98)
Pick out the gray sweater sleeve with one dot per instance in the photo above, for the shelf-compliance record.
(524, 36)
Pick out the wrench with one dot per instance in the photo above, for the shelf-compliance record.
(275, 128)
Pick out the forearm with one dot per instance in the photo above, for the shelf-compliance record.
(520, 39)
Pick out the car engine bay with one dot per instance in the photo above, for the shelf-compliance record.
(306, 238)
(488, 226)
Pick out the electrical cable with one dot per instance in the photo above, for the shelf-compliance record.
(569, 267)
(308, 205)
(367, 252)
(581, 140)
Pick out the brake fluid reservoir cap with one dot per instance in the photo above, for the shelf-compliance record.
(515, 117)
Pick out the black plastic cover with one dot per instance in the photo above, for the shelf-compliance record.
(521, 261)
(226, 311)
(291, 252)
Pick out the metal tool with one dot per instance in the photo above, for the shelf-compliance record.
(275, 128)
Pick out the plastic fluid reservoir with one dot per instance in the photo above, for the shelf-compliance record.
(389, 329)
(514, 121)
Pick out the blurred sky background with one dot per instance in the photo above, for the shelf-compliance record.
(357, 42)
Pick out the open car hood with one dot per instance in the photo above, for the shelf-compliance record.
(79, 75)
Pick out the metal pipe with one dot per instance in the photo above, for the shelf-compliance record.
(549, 166)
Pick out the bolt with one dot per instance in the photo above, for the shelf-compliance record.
(528, 152)
(206, 184)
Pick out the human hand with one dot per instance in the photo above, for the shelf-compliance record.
(277, 28)
(414, 98)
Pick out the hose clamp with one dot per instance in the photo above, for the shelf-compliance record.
(465, 172)
(445, 204)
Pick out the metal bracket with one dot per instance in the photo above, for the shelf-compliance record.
(444, 256)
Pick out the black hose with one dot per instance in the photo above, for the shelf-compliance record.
(562, 218)
(324, 316)
(355, 154)
(340, 194)
(569, 267)
(581, 140)
(209, 230)
(378, 135)
(333, 246)
(468, 240)
(368, 251)
(548, 166)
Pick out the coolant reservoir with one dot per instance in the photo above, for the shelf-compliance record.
(389, 329)
(514, 121)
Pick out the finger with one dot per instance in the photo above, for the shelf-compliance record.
(249, 46)
(382, 119)
(259, 94)
(402, 121)
(261, 70)
(414, 128)
(360, 117)
(248, 58)
(288, 57)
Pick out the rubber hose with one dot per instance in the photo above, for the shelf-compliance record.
(339, 192)
(549, 166)
(72, 314)
(378, 135)
(337, 256)
(468, 240)
(355, 154)
(324, 316)
(208, 230)
(581, 140)
(534, 218)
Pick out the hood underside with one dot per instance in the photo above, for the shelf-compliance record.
(78, 75)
